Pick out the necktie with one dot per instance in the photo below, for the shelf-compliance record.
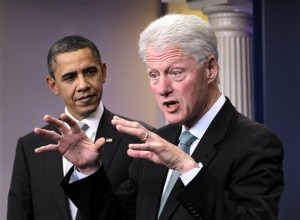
(83, 126)
(185, 140)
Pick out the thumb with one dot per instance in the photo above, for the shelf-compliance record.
(99, 143)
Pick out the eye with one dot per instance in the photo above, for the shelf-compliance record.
(154, 75)
(177, 74)
(91, 71)
(68, 77)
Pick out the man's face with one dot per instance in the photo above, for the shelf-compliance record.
(180, 85)
(78, 79)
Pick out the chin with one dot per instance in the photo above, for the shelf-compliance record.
(88, 110)
(171, 120)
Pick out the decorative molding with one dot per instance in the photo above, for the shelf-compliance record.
(233, 28)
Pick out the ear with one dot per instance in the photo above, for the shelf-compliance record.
(212, 69)
(52, 85)
(103, 70)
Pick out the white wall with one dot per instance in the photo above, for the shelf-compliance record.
(27, 30)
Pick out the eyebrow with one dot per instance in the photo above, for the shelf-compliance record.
(90, 68)
(84, 71)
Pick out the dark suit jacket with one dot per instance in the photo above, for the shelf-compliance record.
(35, 191)
(242, 178)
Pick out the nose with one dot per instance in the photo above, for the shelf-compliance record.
(83, 83)
(164, 86)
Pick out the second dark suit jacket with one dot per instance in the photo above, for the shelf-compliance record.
(35, 191)
(242, 178)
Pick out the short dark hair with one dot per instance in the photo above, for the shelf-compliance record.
(69, 44)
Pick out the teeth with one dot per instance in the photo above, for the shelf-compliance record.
(170, 104)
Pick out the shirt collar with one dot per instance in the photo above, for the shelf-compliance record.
(93, 119)
(201, 126)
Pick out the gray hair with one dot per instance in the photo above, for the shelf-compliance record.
(70, 44)
(188, 32)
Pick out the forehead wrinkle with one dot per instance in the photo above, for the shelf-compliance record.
(162, 56)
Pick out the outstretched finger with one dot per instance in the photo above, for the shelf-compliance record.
(131, 127)
(48, 134)
(126, 123)
(47, 148)
(149, 155)
(138, 153)
(59, 124)
(73, 124)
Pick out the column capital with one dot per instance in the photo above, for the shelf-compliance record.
(199, 4)
(217, 6)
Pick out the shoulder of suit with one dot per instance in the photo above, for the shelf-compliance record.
(32, 134)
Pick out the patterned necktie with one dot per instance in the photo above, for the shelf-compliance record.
(83, 126)
(185, 140)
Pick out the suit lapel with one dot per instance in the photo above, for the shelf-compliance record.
(215, 133)
(107, 130)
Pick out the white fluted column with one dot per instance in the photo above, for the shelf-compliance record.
(233, 26)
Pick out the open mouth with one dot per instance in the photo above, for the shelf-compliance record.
(171, 105)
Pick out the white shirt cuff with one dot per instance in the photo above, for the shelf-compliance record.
(76, 175)
(190, 175)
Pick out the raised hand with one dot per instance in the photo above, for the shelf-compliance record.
(72, 143)
(153, 147)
